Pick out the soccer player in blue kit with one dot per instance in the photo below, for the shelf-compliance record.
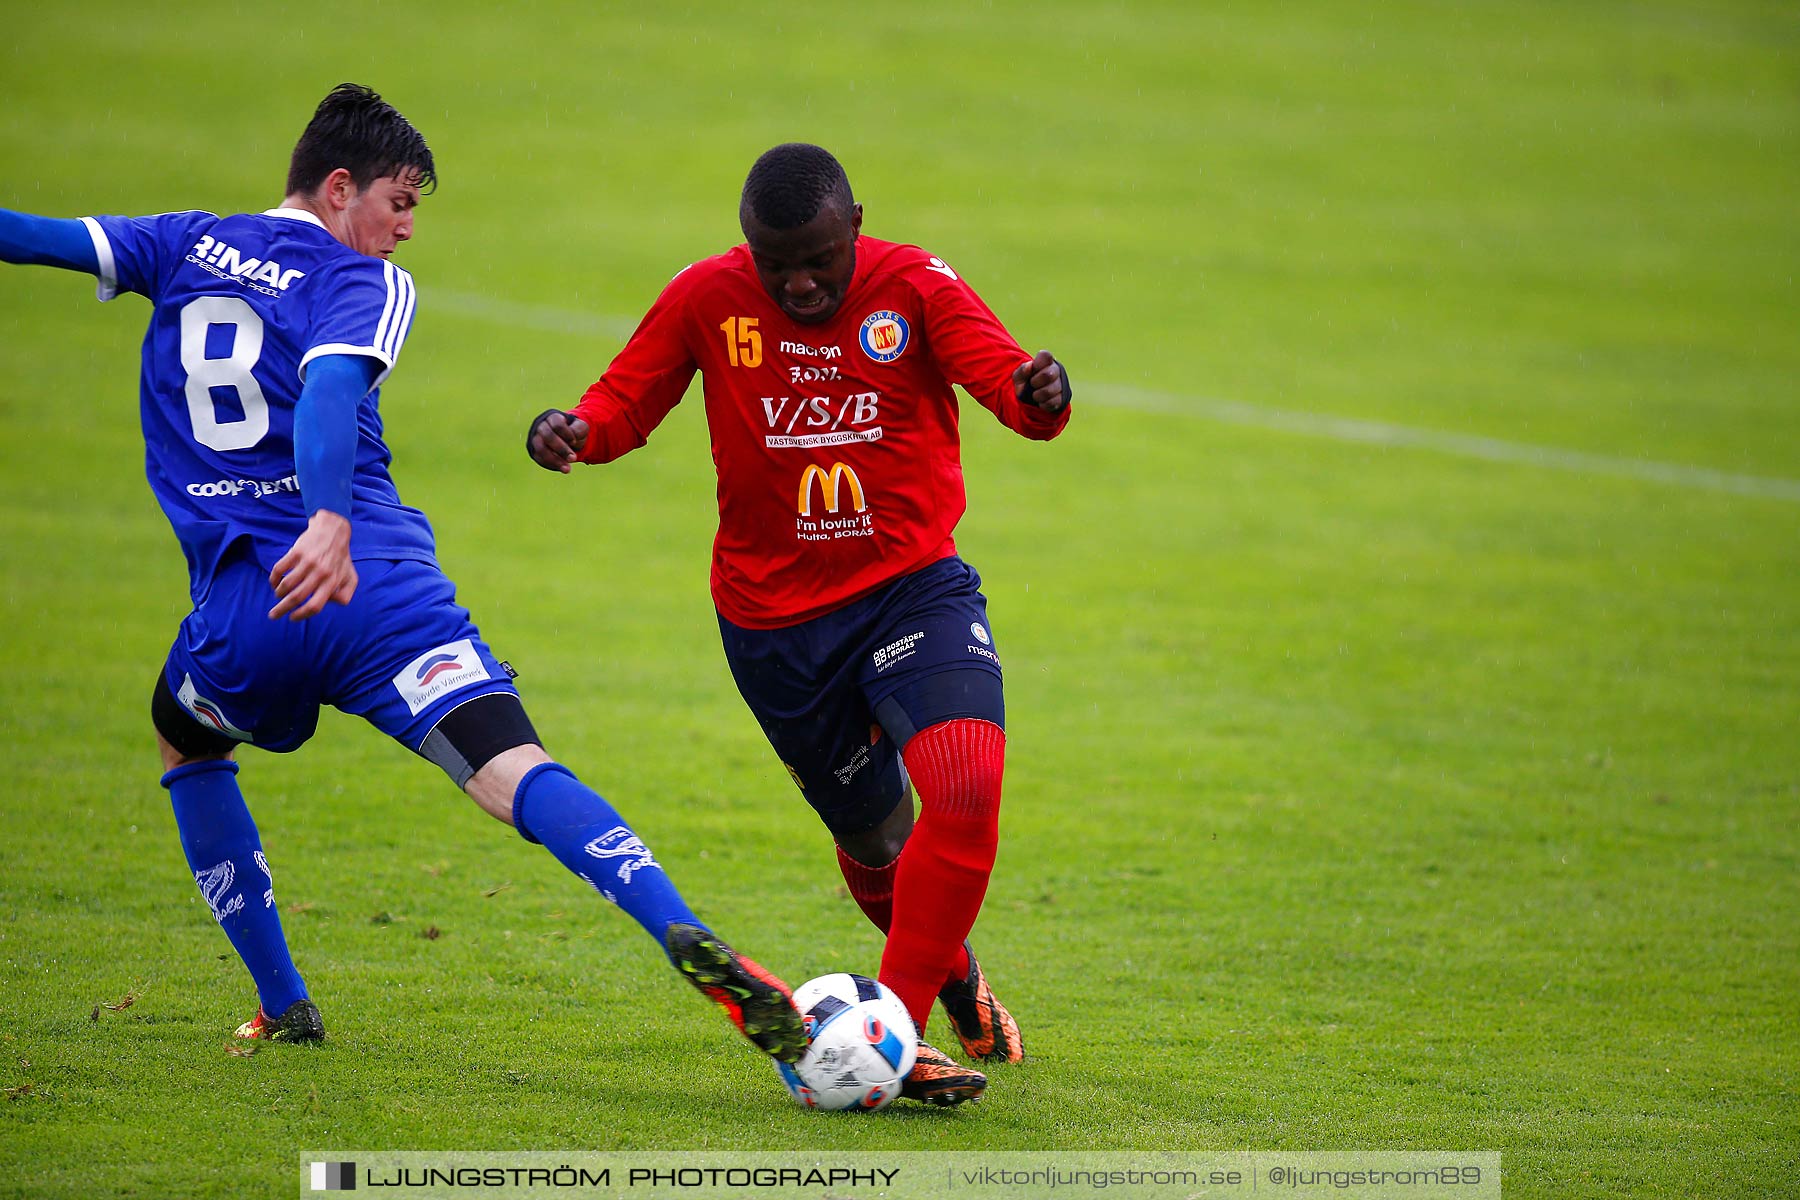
(270, 336)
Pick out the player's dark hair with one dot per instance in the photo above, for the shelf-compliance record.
(790, 184)
(356, 129)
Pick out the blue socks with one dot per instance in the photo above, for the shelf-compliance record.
(222, 848)
(589, 837)
(551, 807)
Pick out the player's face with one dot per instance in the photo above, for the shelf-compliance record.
(807, 270)
(381, 215)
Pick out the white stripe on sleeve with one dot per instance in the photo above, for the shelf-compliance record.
(107, 277)
(387, 364)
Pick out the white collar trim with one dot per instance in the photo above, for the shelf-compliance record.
(296, 214)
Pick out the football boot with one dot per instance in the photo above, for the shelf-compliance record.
(759, 1004)
(938, 1079)
(300, 1023)
(986, 1030)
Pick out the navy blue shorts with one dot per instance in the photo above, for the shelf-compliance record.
(401, 654)
(839, 696)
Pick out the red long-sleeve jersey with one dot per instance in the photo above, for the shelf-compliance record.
(836, 444)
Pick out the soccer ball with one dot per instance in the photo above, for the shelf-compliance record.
(860, 1044)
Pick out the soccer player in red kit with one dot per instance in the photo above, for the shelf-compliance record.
(855, 633)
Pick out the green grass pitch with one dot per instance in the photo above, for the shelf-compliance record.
(1402, 643)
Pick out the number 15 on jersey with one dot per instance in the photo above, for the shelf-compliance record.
(743, 341)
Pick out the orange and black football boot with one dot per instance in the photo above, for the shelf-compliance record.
(938, 1079)
(986, 1030)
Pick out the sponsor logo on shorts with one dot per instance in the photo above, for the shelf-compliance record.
(897, 651)
(620, 843)
(207, 712)
(884, 335)
(438, 672)
(795, 776)
(436, 665)
(857, 762)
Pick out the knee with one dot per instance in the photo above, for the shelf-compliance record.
(881, 845)
(958, 767)
(475, 740)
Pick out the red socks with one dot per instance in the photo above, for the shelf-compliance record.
(942, 875)
(873, 890)
(871, 887)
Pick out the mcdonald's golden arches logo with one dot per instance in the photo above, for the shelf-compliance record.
(832, 481)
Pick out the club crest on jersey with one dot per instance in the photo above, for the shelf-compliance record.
(439, 671)
(884, 335)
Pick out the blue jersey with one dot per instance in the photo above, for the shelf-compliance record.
(242, 304)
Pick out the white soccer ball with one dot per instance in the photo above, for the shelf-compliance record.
(860, 1044)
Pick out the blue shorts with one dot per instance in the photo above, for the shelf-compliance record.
(839, 696)
(401, 654)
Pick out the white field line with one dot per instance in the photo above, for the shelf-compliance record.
(543, 317)
(1380, 433)
(552, 319)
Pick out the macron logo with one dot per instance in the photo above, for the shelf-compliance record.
(226, 262)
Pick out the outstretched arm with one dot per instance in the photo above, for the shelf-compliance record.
(618, 413)
(47, 241)
(317, 570)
